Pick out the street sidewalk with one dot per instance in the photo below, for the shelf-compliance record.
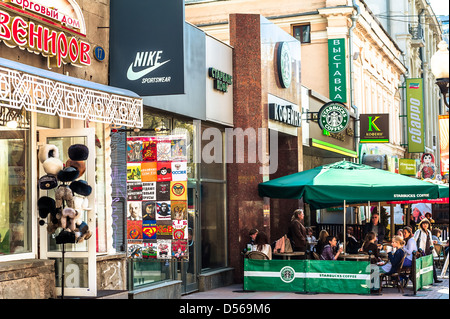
(435, 291)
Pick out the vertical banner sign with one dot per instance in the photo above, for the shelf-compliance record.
(157, 222)
(414, 104)
(443, 136)
(337, 70)
(146, 46)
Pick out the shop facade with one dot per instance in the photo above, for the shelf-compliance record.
(267, 110)
(161, 265)
(54, 94)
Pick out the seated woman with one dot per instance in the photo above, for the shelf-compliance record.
(395, 260)
(410, 246)
(322, 241)
(328, 250)
(370, 247)
(262, 244)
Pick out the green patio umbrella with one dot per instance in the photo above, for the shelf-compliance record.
(331, 185)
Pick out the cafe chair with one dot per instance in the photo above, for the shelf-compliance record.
(257, 255)
(393, 279)
(440, 255)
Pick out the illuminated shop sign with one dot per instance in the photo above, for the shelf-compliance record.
(374, 128)
(42, 33)
(221, 79)
(333, 117)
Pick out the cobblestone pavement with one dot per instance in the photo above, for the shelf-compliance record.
(435, 291)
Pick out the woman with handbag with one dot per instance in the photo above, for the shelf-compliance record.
(424, 242)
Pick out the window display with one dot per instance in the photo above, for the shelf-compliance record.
(157, 197)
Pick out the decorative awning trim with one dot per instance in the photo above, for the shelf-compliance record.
(46, 92)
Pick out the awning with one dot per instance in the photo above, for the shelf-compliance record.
(331, 185)
(38, 90)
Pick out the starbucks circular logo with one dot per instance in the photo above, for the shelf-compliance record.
(284, 64)
(333, 117)
(287, 274)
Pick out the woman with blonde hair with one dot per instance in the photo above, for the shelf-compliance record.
(297, 232)
(395, 259)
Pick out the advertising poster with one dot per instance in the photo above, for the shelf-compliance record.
(157, 224)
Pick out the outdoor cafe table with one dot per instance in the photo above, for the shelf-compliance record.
(355, 257)
(288, 256)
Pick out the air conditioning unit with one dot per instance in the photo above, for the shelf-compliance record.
(374, 160)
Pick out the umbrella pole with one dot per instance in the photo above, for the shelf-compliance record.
(392, 222)
(345, 229)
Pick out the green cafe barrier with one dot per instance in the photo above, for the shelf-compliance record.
(321, 276)
(424, 271)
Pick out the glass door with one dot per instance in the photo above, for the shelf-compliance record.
(75, 263)
(188, 270)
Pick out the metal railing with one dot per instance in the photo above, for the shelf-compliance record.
(358, 230)
(416, 31)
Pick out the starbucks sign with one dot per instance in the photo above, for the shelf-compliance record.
(284, 64)
(333, 117)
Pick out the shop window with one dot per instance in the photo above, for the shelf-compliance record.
(213, 226)
(15, 183)
(212, 153)
(302, 33)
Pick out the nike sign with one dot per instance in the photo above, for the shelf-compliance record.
(132, 76)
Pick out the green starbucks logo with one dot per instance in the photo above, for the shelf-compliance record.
(287, 274)
(284, 64)
(333, 117)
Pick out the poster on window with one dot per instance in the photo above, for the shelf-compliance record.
(157, 219)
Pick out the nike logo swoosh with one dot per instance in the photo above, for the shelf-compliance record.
(132, 76)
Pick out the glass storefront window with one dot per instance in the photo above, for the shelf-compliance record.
(15, 185)
(212, 164)
(213, 230)
(148, 272)
(183, 127)
(206, 200)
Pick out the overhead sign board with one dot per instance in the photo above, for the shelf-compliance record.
(374, 128)
(53, 31)
(146, 46)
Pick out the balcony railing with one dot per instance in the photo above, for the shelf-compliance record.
(416, 32)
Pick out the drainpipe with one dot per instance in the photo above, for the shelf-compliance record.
(350, 60)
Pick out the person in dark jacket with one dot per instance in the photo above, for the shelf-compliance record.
(369, 246)
(376, 227)
(297, 232)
